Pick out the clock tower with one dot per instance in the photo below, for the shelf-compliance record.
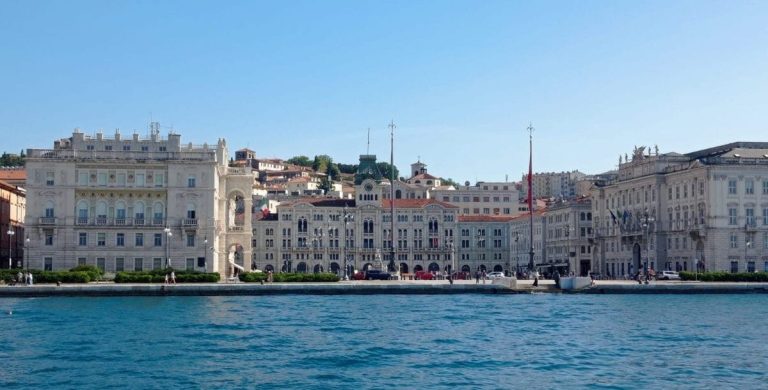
(368, 182)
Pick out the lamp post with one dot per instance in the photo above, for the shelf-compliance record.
(568, 247)
(348, 217)
(10, 238)
(168, 234)
(205, 252)
(451, 250)
(26, 257)
(517, 250)
(647, 221)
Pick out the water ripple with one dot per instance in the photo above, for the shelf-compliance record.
(384, 342)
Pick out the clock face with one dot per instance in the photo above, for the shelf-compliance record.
(368, 187)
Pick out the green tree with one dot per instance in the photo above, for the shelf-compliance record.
(303, 161)
(385, 170)
(12, 160)
(347, 168)
(449, 182)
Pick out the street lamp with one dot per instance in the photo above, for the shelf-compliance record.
(205, 252)
(10, 238)
(169, 234)
(26, 257)
(647, 221)
(347, 219)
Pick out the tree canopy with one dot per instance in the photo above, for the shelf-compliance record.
(12, 160)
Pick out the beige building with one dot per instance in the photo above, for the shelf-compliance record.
(553, 185)
(484, 198)
(12, 232)
(125, 203)
(705, 210)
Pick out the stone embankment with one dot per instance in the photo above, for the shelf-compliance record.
(377, 287)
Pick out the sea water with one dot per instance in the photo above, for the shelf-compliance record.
(386, 341)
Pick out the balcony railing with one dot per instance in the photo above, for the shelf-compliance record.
(158, 222)
(121, 222)
(81, 221)
(47, 221)
(138, 221)
(189, 222)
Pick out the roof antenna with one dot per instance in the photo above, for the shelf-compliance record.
(368, 145)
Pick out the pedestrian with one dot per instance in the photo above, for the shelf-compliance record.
(485, 276)
(173, 277)
(536, 279)
(450, 278)
(31, 279)
(477, 277)
(166, 278)
(270, 278)
(19, 277)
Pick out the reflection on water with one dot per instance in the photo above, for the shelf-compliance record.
(404, 341)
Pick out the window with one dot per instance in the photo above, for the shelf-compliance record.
(102, 179)
(139, 240)
(121, 179)
(190, 240)
(734, 240)
(82, 239)
(734, 267)
(120, 239)
(48, 264)
(190, 264)
(138, 264)
(127, 148)
(157, 263)
(750, 214)
(49, 181)
(751, 266)
(158, 239)
(101, 239)
(159, 178)
(145, 148)
(749, 187)
(191, 182)
(119, 264)
(48, 238)
(731, 187)
(81, 261)
(140, 182)
(101, 263)
(82, 178)
(191, 214)
(765, 187)
(732, 216)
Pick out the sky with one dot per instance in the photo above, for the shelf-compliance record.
(462, 80)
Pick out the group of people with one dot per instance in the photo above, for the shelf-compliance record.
(24, 278)
(170, 278)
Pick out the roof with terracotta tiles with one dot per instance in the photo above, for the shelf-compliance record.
(13, 174)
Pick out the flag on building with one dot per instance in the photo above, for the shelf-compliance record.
(264, 206)
(613, 216)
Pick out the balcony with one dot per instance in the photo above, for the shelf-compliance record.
(47, 221)
(158, 222)
(81, 221)
(101, 221)
(121, 222)
(138, 222)
(189, 223)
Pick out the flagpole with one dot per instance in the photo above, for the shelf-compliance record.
(530, 193)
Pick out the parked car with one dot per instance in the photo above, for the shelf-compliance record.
(359, 275)
(668, 275)
(423, 275)
(460, 275)
(494, 275)
(375, 274)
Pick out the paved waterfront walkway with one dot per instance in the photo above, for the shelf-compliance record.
(376, 287)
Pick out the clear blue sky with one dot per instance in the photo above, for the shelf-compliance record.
(461, 79)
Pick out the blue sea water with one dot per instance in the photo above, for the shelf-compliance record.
(386, 341)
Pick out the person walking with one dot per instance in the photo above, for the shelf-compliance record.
(31, 279)
(173, 277)
(477, 277)
(166, 278)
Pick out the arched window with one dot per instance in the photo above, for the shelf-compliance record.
(302, 225)
(398, 194)
(138, 212)
(158, 210)
(101, 209)
(82, 212)
(49, 211)
(120, 212)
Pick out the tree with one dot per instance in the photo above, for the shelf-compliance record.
(303, 161)
(384, 168)
(449, 182)
(12, 160)
(347, 168)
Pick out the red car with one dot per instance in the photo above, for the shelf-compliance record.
(423, 275)
(461, 275)
(358, 276)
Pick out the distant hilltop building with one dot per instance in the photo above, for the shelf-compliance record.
(553, 185)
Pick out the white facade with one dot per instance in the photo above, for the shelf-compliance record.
(484, 198)
(108, 202)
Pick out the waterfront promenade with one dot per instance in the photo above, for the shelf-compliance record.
(376, 287)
